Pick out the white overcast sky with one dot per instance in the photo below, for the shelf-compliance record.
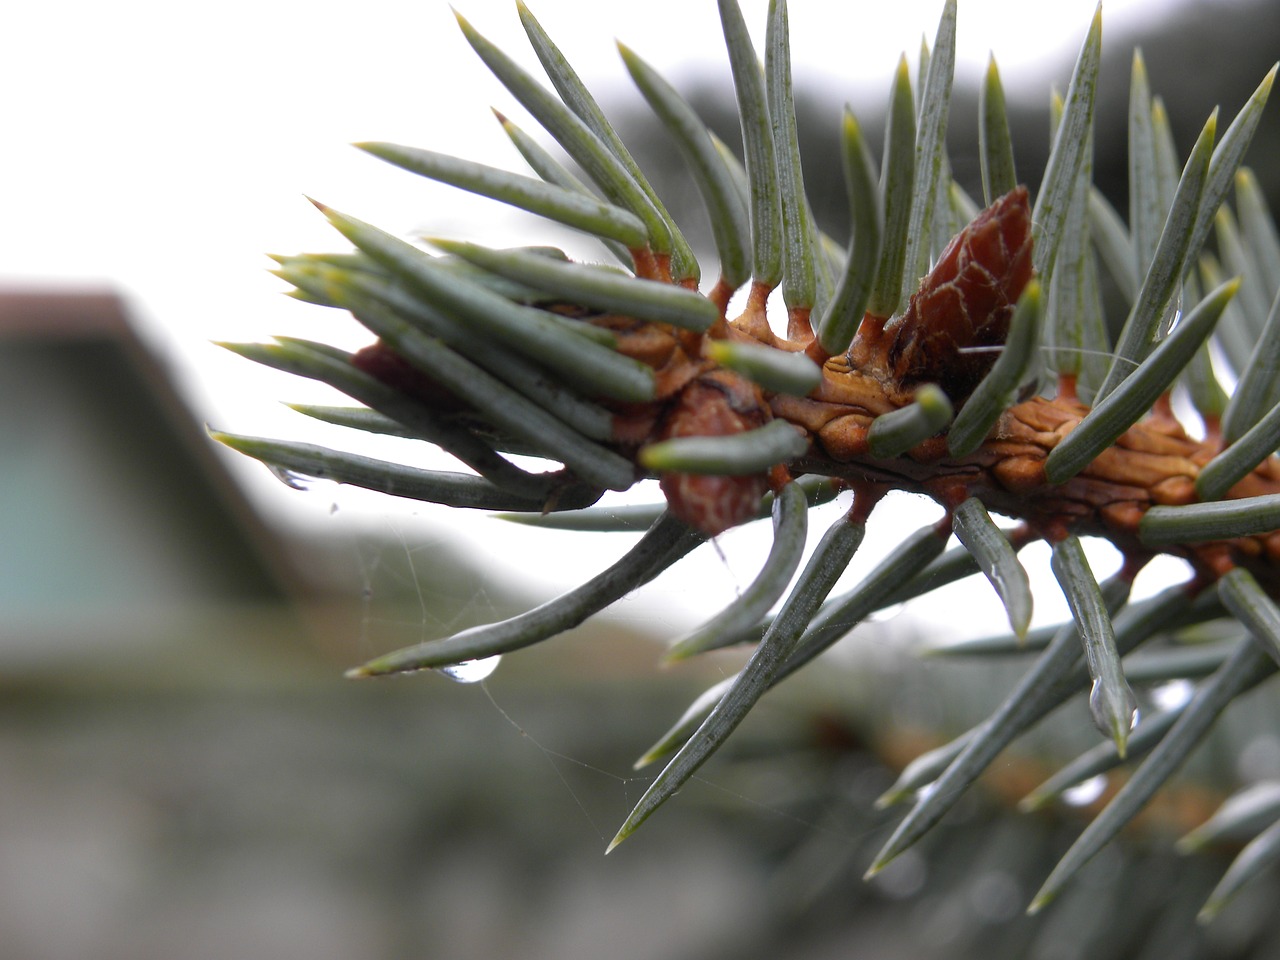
(163, 148)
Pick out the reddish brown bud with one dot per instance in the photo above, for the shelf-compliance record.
(965, 303)
(715, 405)
(713, 504)
(388, 367)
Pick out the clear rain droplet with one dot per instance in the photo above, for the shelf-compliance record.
(1100, 707)
(472, 671)
(294, 481)
(886, 614)
(1172, 314)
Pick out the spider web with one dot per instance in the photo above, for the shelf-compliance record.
(418, 579)
(394, 564)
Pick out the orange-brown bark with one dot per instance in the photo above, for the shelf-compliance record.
(1155, 462)
(965, 303)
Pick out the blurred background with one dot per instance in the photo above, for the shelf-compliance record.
(182, 772)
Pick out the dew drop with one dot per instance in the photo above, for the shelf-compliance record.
(1085, 792)
(1169, 320)
(1102, 707)
(1098, 708)
(294, 481)
(886, 614)
(472, 671)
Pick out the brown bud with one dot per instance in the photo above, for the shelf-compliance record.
(715, 405)
(963, 306)
(385, 365)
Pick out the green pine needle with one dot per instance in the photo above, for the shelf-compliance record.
(732, 455)
(1111, 701)
(895, 433)
(790, 530)
(842, 314)
(546, 199)
(775, 370)
(820, 574)
(757, 139)
(591, 286)
(667, 541)
(997, 560)
(995, 146)
(1134, 396)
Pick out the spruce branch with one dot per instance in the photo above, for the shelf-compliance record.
(910, 359)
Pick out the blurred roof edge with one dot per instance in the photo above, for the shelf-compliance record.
(56, 314)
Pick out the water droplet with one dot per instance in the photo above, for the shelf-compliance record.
(1085, 792)
(888, 613)
(1102, 707)
(1169, 319)
(472, 671)
(294, 481)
